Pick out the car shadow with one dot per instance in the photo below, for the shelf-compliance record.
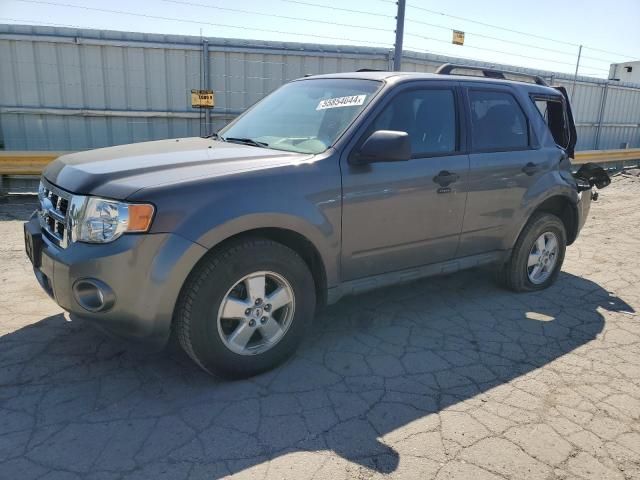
(77, 401)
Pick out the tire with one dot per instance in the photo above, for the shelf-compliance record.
(515, 274)
(197, 321)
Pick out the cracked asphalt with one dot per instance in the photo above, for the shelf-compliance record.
(447, 378)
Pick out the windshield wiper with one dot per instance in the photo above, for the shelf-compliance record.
(245, 141)
(213, 135)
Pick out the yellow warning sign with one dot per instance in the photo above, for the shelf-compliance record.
(202, 99)
(458, 37)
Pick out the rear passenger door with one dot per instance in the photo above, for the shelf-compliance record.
(504, 163)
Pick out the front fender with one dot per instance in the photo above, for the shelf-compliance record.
(303, 198)
(318, 231)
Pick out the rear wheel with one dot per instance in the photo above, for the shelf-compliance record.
(538, 255)
(245, 308)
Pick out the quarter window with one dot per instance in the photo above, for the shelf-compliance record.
(428, 116)
(498, 122)
(554, 115)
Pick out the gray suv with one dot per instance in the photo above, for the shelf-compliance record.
(329, 186)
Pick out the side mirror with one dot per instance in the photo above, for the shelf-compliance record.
(383, 146)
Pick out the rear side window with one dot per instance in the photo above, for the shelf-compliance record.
(498, 122)
(554, 114)
(428, 116)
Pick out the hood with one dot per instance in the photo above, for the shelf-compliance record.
(117, 172)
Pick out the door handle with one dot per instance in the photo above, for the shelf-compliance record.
(445, 178)
(530, 168)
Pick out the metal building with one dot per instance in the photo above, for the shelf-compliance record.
(625, 72)
(75, 89)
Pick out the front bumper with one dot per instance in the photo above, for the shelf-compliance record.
(144, 273)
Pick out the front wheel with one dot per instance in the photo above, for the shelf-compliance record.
(537, 256)
(245, 308)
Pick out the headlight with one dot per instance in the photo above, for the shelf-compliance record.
(98, 220)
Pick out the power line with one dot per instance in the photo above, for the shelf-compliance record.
(513, 30)
(474, 33)
(43, 23)
(513, 42)
(197, 22)
(598, 59)
(606, 51)
(492, 26)
(505, 53)
(443, 54)
(273, 15)
(331, 7)
(493, 38)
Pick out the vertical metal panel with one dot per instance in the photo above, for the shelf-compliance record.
(47, 67)
(115, 80)
(586, 136)
(623, 105)
(8, 69)
(586, 102)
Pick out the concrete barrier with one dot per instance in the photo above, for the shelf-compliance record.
(607, 156)
(26, 163)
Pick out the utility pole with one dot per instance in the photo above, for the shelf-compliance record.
(575, 76)
(207, 84)
(397, 55)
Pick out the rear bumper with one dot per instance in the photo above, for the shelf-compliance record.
(583, 206)
(143, 275)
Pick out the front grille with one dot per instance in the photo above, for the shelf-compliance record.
(53, 212)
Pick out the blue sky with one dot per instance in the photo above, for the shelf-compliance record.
(608, 26)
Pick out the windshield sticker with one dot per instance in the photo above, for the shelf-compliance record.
(341, 102)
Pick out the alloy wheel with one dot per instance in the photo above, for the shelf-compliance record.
(543, 257)
(256, 313)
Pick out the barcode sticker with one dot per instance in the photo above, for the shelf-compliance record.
(349, 101)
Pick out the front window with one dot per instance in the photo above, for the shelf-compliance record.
(306, 116)
(428, 116)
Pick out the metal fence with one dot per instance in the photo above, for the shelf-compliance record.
(75, 89)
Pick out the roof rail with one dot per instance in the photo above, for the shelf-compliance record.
(448, 68)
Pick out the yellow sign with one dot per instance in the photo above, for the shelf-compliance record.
(202, 99)
(458, 37)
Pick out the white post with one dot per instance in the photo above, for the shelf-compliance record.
(575, 76)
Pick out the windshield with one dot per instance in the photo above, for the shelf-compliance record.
(306, 116)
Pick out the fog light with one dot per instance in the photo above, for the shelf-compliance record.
(93, 295)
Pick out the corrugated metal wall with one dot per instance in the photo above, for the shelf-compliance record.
(72, 89)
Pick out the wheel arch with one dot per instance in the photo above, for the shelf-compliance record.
(560, 205)
(290, 238)
(299, 244)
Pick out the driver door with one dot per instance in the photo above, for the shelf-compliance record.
(398, 215)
